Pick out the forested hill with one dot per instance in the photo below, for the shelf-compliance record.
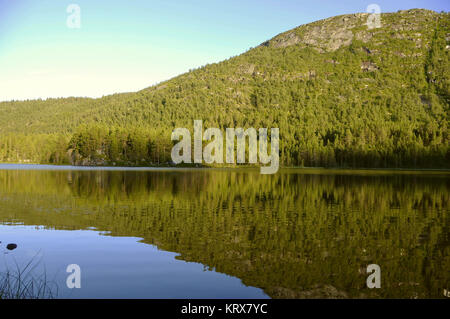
(342, 95)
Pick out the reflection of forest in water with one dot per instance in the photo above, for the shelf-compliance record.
(295, 234)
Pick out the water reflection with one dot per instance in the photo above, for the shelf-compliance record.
(296, 234)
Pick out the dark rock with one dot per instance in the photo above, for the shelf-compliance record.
(11, 246)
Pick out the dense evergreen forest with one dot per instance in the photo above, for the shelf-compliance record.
(341, 94)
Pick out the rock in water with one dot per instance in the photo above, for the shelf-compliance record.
(11, 246)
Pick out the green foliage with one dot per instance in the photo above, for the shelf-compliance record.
(134, 146)
(380, 101)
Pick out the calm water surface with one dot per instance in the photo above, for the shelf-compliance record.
(217, 233)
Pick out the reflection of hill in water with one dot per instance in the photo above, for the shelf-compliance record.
(292, 234)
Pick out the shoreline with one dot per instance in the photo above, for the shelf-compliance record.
(331, 170)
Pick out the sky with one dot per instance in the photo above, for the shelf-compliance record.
(128, 45)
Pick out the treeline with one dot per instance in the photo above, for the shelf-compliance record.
(34, 148)
(100, 145)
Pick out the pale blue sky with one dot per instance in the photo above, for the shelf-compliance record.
(127, 45)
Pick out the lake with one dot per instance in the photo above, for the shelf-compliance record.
(227, 233)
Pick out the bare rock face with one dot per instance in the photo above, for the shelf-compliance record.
(339, 39)
(325, 35)
(330, 34)
(286, 40)
(368, 66)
